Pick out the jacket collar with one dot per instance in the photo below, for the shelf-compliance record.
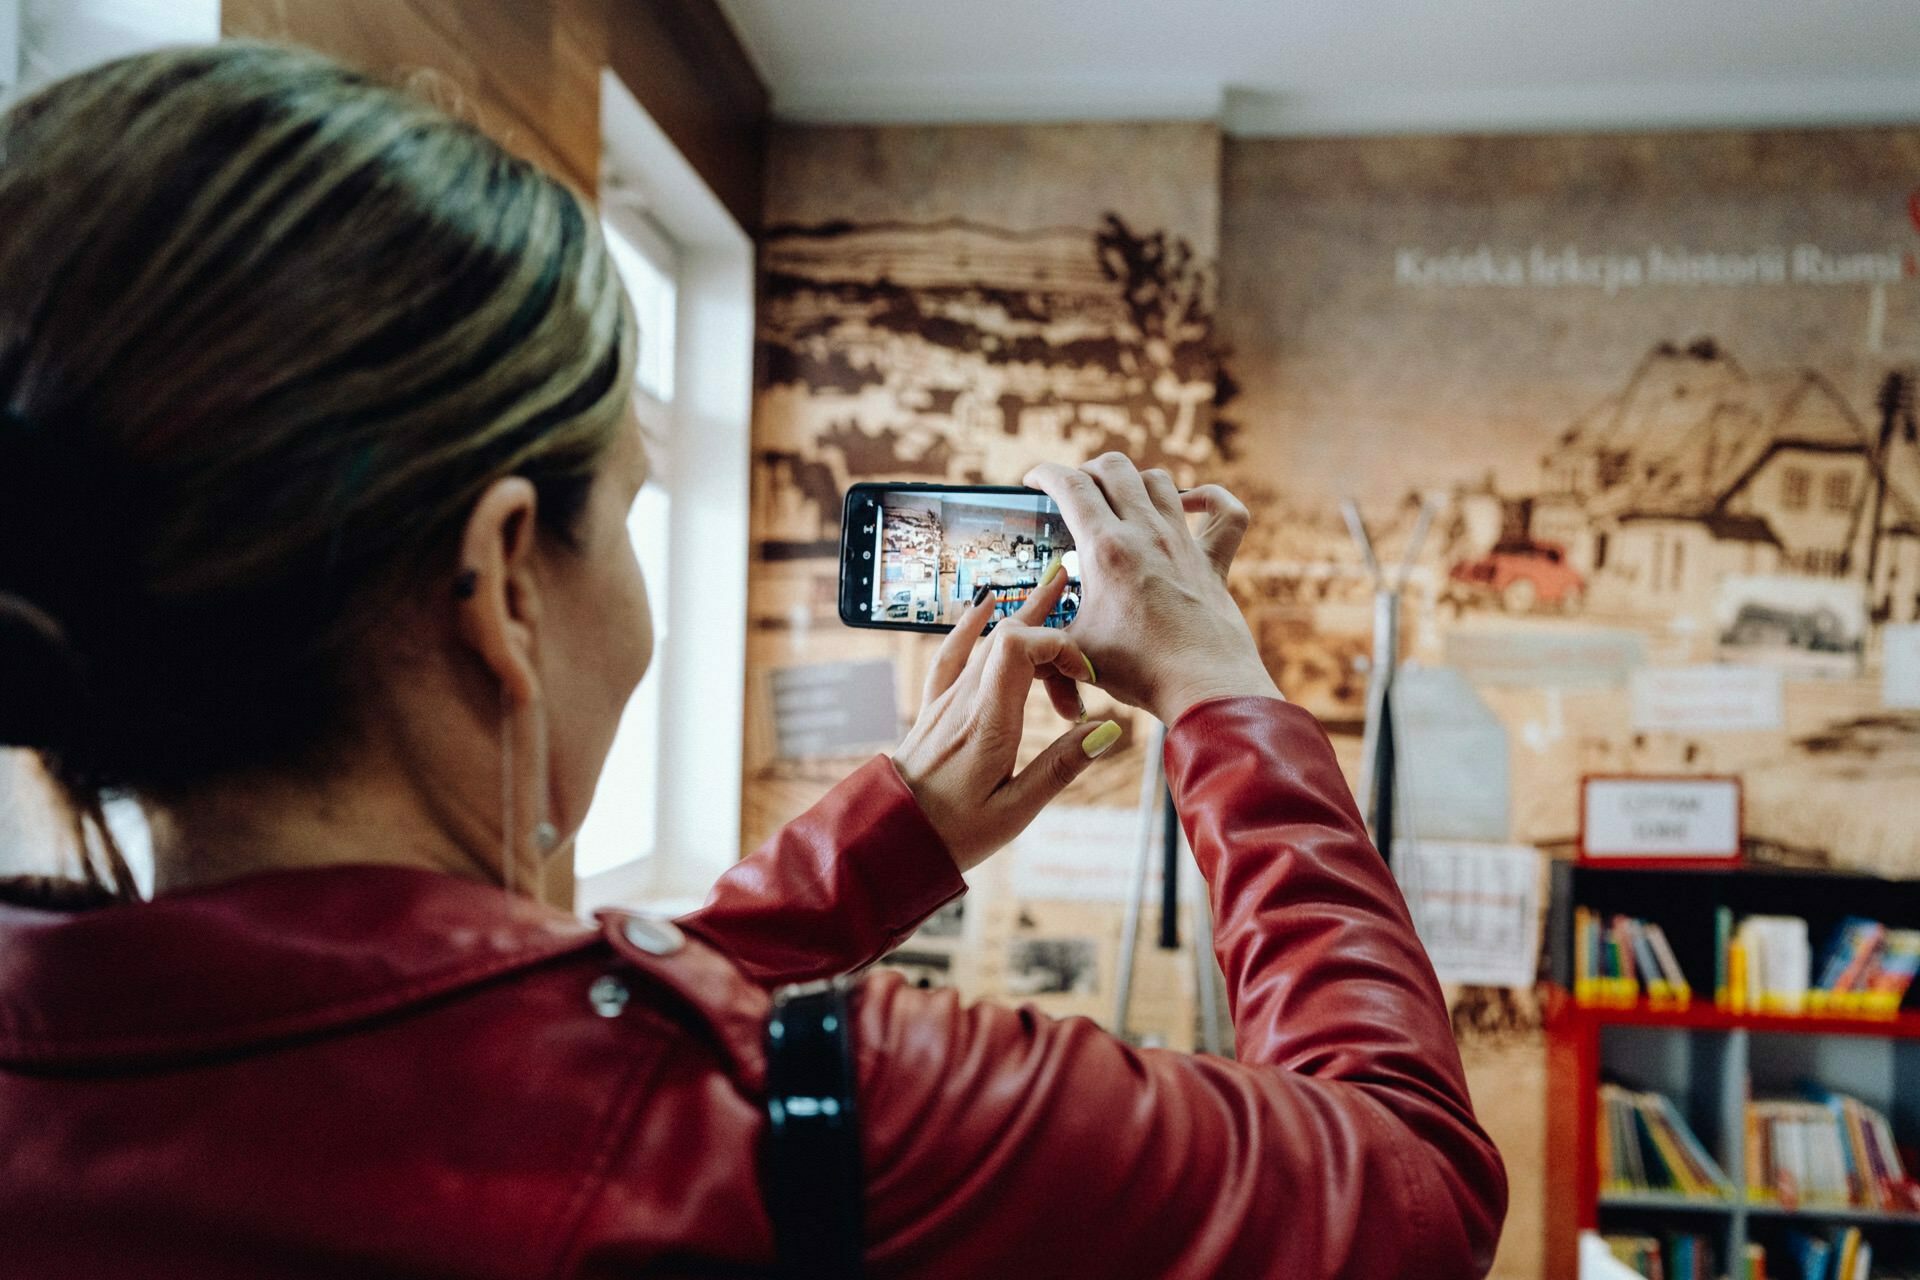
(255, 960)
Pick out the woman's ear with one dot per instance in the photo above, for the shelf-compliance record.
(497, 590)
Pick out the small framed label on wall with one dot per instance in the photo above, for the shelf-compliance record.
(1660, 821)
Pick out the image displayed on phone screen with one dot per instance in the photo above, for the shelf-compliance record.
(934, 550)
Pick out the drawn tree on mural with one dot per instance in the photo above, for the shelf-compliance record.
(1168, 343)
(1164, 286)
(926, 366)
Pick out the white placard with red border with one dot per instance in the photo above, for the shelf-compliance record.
(1660, 820)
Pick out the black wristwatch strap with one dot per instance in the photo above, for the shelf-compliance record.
(811, 1174)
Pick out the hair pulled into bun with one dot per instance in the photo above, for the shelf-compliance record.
(44, 704)
(268, 329)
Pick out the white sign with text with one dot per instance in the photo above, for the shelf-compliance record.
(1720, 698)
(1900, 665)
(1660, 818)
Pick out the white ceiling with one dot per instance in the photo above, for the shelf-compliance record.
(1341, 66)
(59, 37)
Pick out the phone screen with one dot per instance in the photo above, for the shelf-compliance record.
(913, 556)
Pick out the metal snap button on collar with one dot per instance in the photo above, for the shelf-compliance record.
(655, 937)
(608, 996)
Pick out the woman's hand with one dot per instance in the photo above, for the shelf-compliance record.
(1155, 615)
(959, 758)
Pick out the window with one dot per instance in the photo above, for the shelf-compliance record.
(623, 824)
(649, 266)
(666, 815)
(1796, 488)
(1839, 491)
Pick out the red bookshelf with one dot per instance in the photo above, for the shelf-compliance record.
(1704, 1017)
(1704, 1057)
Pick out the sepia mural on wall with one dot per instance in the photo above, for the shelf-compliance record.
(1661, 393)
(956, 305)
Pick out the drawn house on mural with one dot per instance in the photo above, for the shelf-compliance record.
(1700, 470)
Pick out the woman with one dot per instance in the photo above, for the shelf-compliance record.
(314, 462)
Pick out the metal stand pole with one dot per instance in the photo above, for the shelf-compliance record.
(1213, 1038)
(1379, 778)
(1153, 787)
(1159, 830)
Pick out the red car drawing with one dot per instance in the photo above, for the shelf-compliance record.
(1521, 576)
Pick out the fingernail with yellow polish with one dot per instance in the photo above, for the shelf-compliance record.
(1096, 743)
(1091, 677)
(1053, 567)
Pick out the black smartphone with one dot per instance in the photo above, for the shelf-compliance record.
(912, 556)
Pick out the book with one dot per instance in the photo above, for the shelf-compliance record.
(1688, 1256)
(1838, 952)
(1899, 961)
(1669, 964)
(1642, 1253)
(1723, 935)
(1810, 1254)
(1623, 966)
(1617, 959)
(1825, 1149)
(1849, 1254)
(1779, 960)
(1859, 946)
(1764, 964)
(1705, 1169)
(1646, 1145)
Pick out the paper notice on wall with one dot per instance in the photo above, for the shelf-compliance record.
(833, 708)
(1719, 698)
(1588, 658)
(1476, 908)
(1452, 751)
(1085, 853)
(1900, 665)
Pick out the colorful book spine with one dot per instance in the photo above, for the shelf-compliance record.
(1861, 946)
(1899, 961)
(1723, 935)
(1617, 959)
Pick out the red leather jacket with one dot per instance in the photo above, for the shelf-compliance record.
(368, 1071)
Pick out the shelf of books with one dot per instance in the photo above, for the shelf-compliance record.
(1734, 1072)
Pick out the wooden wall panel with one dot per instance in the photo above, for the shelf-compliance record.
(506, 67)
(528, 72)
(687, 68)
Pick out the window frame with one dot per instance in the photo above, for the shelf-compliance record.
(630, 809)
(704, 446)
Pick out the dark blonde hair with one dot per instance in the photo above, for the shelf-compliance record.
(267, 331)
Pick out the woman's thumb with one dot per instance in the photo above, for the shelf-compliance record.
(1066, 758)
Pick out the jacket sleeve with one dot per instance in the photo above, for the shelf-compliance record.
(836, 888)
(1340, 1144)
